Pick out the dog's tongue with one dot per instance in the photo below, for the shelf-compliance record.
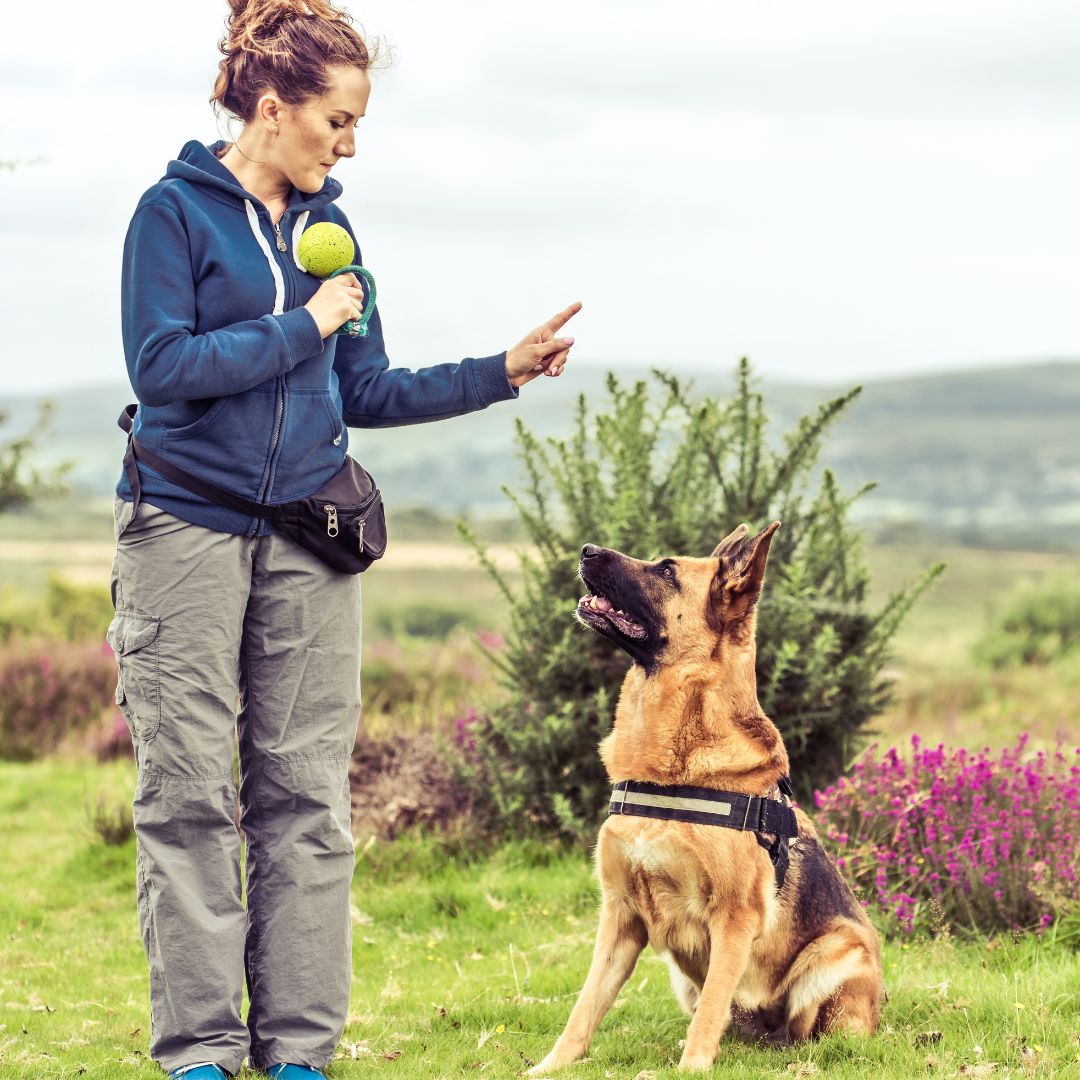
(603, 606)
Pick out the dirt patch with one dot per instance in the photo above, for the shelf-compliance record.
(400, 781)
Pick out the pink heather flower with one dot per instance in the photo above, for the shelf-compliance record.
(465, 729)
(491, 640)
(977, 832)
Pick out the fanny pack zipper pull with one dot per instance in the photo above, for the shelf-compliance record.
(331, 520)
(360, 536)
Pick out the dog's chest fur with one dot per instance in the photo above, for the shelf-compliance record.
(665, 874)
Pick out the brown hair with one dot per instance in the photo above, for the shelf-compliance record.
(286, 46)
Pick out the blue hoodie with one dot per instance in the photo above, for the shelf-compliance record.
(235, 383)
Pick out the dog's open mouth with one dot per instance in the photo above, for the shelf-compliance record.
(597, 610)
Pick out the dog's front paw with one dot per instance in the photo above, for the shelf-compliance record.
(547, 1066)
(696, 1062)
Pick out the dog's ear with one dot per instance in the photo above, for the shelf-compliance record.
(731, 541)
(741, 572)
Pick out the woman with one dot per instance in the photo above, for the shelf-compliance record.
(230, 351)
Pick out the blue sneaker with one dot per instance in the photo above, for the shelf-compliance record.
(201, 1070)
(293, 1072)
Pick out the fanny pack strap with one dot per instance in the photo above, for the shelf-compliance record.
(137, 452)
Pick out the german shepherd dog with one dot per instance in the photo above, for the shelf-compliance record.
(785, 964)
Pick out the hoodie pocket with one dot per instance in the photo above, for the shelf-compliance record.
(134, 641)
(337, 425)
(199, 426)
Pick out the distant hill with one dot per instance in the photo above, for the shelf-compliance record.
(982, 454)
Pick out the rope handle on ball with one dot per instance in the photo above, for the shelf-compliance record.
(358, 327)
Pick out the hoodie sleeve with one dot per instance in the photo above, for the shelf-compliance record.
(374, 394)
(166, 360)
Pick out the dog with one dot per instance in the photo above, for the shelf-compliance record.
(786, 956)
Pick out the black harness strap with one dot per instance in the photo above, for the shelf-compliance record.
(707, 806)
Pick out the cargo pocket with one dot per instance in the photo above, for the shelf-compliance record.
(133, 639)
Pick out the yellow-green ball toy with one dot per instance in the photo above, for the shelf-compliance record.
(325, 247)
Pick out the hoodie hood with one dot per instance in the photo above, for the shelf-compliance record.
(197, 163)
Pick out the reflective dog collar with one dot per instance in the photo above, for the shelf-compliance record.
(707, 806)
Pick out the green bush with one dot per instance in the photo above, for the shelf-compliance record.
(21, 483)
(66, 612)
(1039, 626)
(423, 621)
(674, 477)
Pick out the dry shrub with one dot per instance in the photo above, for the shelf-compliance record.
(111, 820)
(404, 780)
(49, 692)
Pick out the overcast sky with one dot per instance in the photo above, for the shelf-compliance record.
(836, 189)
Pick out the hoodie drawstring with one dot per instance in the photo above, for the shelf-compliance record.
(279, 281)
(298, 230)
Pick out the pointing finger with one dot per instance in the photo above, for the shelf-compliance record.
(557, 322)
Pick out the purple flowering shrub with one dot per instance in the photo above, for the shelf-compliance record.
(464, 732)
(416, 684)
(48, 692)
(959, 838)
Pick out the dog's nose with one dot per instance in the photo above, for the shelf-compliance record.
(590, 551)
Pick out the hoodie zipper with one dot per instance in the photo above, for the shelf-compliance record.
(282, 246)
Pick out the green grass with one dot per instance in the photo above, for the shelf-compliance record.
(465, 965)
(946, 622)
(939, 691)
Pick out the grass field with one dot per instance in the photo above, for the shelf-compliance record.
(468, 966)
(940, 694)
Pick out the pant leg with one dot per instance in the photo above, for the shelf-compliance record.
(180, 593)
(300, 704)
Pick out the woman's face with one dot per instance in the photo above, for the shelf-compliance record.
(313, 136)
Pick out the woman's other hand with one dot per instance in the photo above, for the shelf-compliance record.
(541, 352)
(338, 300)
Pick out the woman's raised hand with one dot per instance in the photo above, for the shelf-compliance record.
(541, 352)
(338, 300)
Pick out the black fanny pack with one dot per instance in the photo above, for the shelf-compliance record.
(343, 523)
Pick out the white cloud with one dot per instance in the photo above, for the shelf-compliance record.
(832, 188)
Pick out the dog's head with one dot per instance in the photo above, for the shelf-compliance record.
(674, 610)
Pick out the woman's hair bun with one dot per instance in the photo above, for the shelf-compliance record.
(284, 45)
(253, 24)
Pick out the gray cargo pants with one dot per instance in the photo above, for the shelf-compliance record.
(200, 616)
